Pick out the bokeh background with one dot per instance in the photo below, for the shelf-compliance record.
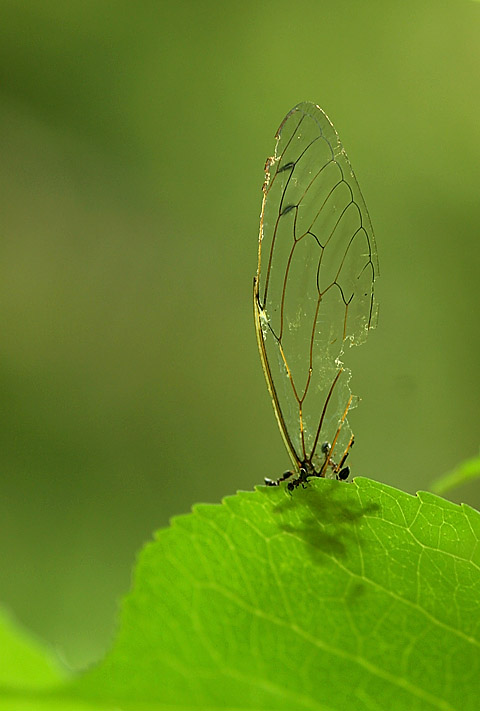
(132, 139)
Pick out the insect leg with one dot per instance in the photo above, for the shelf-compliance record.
(277, 482)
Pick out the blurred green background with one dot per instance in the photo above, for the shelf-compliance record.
(133, 139)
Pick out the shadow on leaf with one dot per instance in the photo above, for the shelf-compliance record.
(324, 518)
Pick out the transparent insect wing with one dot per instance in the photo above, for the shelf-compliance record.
(314, 287)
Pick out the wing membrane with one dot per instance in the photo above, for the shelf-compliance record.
(314, 288)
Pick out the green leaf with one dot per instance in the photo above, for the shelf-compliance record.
(24, 662)
(27, 671)
(342, 596)
(30, 678)
(466, 471)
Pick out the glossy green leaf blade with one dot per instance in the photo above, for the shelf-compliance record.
(342, 596)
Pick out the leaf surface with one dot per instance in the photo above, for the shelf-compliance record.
(341, 596)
